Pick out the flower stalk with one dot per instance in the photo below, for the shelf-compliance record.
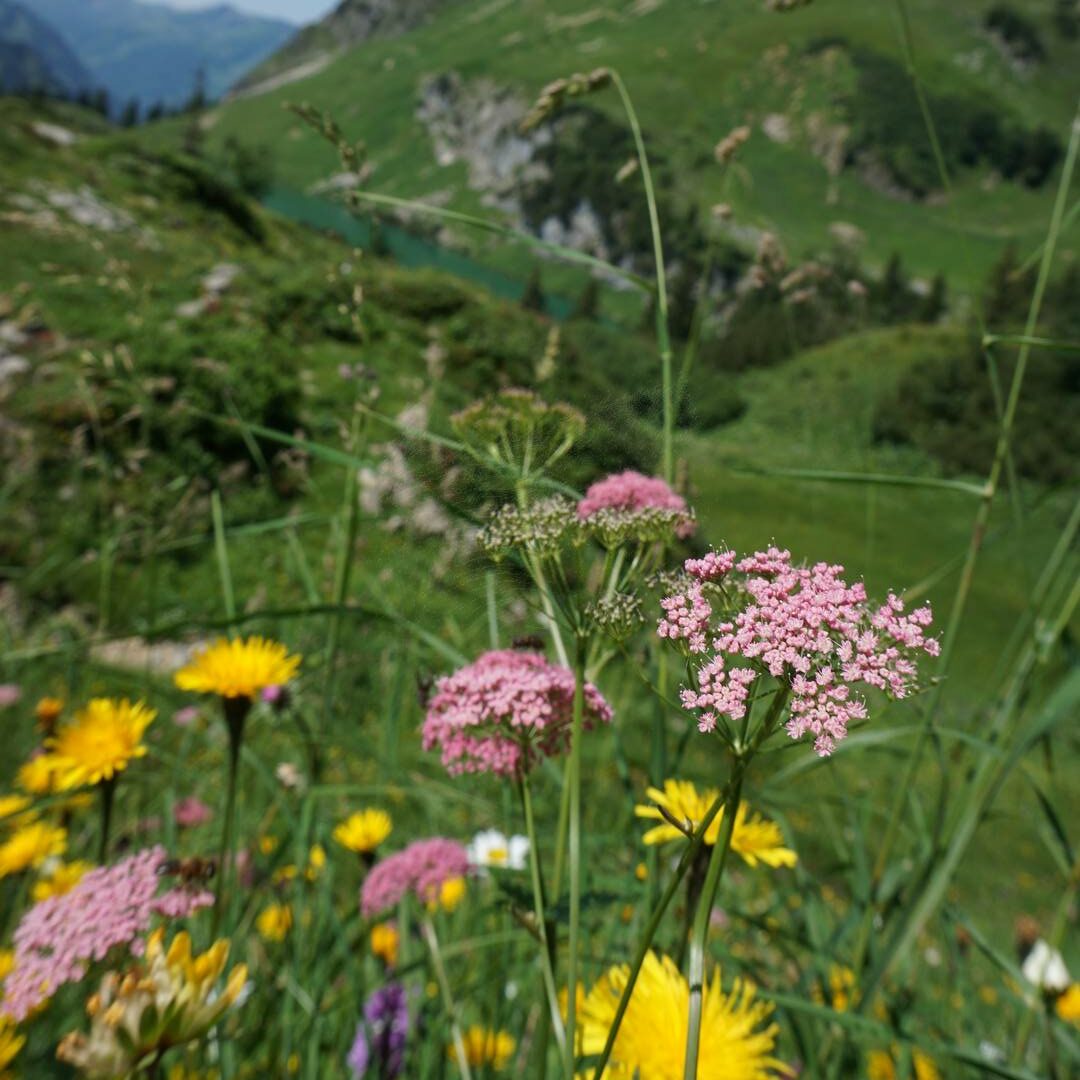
(236, 710)
(576, 731)
(432, 940)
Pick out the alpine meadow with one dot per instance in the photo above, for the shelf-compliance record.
(540, 539)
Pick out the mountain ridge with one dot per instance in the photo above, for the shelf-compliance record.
(35, 57)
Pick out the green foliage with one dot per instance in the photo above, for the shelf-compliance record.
(195, 180)
(1020, 34)
(250, 167)
(888, 127)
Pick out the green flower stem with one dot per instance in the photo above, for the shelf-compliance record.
(546, 950)
(428, 929)
(663, 337)
(576, 729)
(744, 754)
(108, 793)
(236, 710)
(696, 966)
(689, 857)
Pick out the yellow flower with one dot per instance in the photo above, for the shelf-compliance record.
(451, 893)
(167, 999)
(238, 668)
(384, 942)
(316, 862)
(7, 963)
(1068, 1005)
(12, 809)
(880, 1065)
(484, 1046)
(284, 874)
(62, 879)
(99, 742)
(30, 846)
(737, 1040)
(641, 872)
(274, 922)
(754, 838)
(36, 776)
(47, 711)
(268, 844)
(364, 831)
(11, 1042)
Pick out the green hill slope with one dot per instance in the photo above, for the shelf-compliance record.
(836, 137)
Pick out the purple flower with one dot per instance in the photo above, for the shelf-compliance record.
(9, 695)
(190, 812)
(186, 716)
(382, 1036)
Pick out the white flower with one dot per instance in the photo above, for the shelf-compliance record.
(1044, 968)
(492, 848)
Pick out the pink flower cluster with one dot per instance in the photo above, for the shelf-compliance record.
(420, 869)
(503, 711)
(191, 812)
(112, 905)
(631, 490)
(803, 625)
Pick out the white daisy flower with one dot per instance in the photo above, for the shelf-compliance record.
(492, 848)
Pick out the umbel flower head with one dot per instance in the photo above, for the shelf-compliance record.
(624, 496)
(99, 743)
(754, 838)
(364, 830)
(168, 999)
(29, 846)
(421, 869)
(505, 711)
(238, 668)
(737, 1039)
(517, 428)
(112, 906)
(801, 625)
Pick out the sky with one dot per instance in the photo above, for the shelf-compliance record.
(297, 11)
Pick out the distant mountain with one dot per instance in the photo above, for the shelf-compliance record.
(350, 23)
(33, 56)
(153, 53)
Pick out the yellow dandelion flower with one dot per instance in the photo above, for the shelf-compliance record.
(30, 846)
(451, 893)
(274, 922)
(7, 963)
(1068, 1005)
(385, 940)
(239, 668)
(316, 862)
(737, 1038)
(755, 838)
(13, 810)
(881, 1065)
(100, 742)
(36, 776)
(364, 831)
(47, 711)
(62, 879)
(485, 1046)
(11, 1042)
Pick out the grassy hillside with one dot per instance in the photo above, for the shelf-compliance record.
(696, 70)
(116, 437)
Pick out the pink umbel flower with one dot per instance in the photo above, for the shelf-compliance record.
(505, 710)
(111, 906)
(190, 812)
(802, 625)
(632, 491)
(420, 869)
